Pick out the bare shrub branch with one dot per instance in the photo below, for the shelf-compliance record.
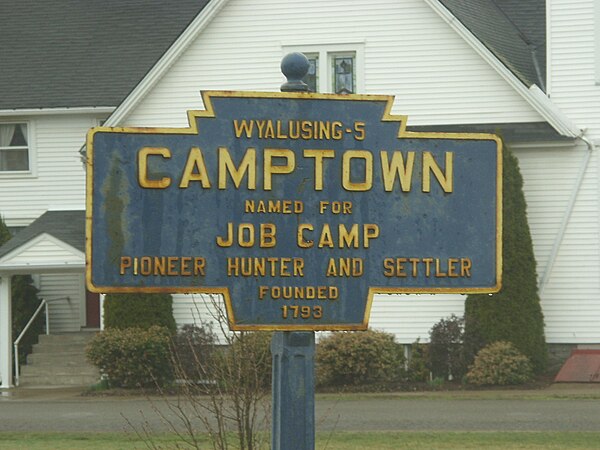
(223, 384)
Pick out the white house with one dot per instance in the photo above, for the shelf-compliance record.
(529, 71)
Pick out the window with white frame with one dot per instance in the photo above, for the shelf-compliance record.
(334, 68)
(343, 73)
(312, 77)
(14, 147)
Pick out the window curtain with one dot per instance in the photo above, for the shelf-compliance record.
(7, 132)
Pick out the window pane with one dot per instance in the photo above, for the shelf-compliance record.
(343, 74)
(13, 135)
(312, 77)
(7, 131)
(14, 154)
(14, 160)
(19, 138)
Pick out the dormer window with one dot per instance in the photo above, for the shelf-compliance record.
(312, 77)
(338, 76)
(343, 74)
(334, 68)
(14, 147)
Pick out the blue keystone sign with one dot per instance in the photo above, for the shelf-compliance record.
(297, 208)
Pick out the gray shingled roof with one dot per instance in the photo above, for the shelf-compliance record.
(67, 226)
(514, 30)
(73, 53)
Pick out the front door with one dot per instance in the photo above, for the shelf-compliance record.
(92, 309)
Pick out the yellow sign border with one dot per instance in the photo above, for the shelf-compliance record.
(192, 128)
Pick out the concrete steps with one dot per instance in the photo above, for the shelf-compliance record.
(59, 360)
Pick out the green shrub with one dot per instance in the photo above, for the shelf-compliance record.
(133, 357)
(358, 358)
(228, 390)
(24, 303)
(514, 314)
(4, 232)
(193, 350)
(243, 364)
(139, 311)
(499, 363)
(446, 354)
(418, 364)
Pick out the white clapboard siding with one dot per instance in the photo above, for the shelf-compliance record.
(548, 188)
(409, 51)
(573, 55)
(437, 79)
(44, 250)
(59, 177)
(410, 317)
(201, 310)
(65, 316)
(570, 300)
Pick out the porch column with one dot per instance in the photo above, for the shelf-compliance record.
(6, 353)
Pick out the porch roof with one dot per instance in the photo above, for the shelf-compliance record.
(60, 233)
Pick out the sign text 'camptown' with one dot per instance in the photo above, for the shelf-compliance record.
(297, 208)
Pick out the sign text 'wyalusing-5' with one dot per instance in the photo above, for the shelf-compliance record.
(297, 208)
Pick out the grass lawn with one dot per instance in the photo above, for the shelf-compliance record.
(333, 441)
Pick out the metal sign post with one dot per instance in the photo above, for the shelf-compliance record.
(296, 208)
(293, 390)
(293, 353)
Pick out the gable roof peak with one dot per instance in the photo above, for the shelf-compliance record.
(513, 30)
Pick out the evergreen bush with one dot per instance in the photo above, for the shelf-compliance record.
(358, 358)
(514, 314)
(24, 303)
(139, 311)
(499, 363)
(4, 232)
(419, 367)
(133, 357)
(446, 354)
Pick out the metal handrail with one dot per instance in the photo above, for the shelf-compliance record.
(43, 304)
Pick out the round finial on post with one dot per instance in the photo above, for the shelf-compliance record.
(295, 67)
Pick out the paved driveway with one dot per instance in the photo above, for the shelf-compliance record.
(67, 411)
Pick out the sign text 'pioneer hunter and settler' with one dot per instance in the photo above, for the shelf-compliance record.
(297, 208)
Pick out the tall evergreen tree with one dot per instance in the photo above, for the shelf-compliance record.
(514, 314)
(139, 310)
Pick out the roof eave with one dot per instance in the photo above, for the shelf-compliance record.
(532, 94)
(43, 268)
(56, 111)
(165, 62)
